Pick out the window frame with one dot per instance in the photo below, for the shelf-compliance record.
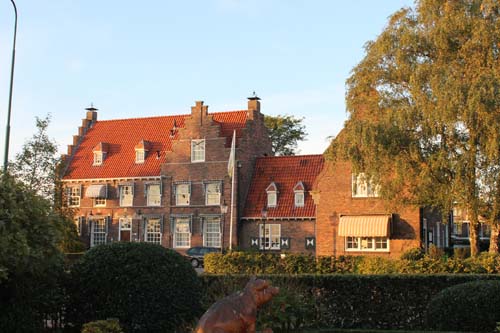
(198, 154)
(177, 193)
(122, 228)
(103, 232)
(140, 156)
(98, 158)
(272, 198)
(299, 194)
(73, 193)
(216, 236)
(121, 195)
(99, 202)
(183, 243)
(148, 195)
(273, 241)
(359, 244)
(153, 236)
(216, 202)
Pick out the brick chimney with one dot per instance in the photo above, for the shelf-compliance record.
(199, 111)
(253, 106)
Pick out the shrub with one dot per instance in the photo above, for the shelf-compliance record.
(413, 254)
(376, 265)
(103, 326)
(147, 287)
(472, 306)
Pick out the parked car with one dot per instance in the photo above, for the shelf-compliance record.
(195, 254)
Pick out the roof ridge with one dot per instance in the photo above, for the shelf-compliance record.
(289, 156)
(166, 116)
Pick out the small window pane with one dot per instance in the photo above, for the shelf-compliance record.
(197, 150)
(153, 195)
(182, 234)
(212, 194)
(98, 231)
(271, 199)
(299, 199)
(139, 156)
(182, 194)
(126, 195)
(153, 231)
(212, 232)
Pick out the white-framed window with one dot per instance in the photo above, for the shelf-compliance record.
(99, 202)
(98, 157)
(198, 150)
(182, 232)
(367, 244)
(125, 226)
(212, 193)
(270, 238)
(363, 187)
(182, 194)
(153, 194)
(272, 195)
(98, 231)
(73, 195)
(461, 229)
(152, 233)
(298, 191)
(140, 155)
(126, 195)
(212, 231)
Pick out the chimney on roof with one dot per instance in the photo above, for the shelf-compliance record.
(91, 113)
(253, 106)
(199, 111)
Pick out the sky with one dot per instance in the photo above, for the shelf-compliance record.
(157, 57)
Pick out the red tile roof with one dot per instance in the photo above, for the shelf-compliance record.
(285, 172)
(122, 136)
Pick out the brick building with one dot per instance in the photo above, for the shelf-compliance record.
(352, 220)
(280, 214)
(163, 179)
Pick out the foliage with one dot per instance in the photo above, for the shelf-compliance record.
(412, 262)
(103, 326)
(285, 131)
(480, 313)
(36, 163)
(30, 264)
(423, 109)
(147, 287)
(413, 254)
(344, 301)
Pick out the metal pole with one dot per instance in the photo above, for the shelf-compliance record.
(7, 132)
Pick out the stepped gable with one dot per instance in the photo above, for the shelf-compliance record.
(122, 136)
(285, 172)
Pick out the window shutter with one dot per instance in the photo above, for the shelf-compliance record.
(189, 188)
(144, 226)
(191, 224)
(146, 189)
(202, 225)
(221, 227)
(81, 220)
(108, 222)
(91, 234)
(161, 225)
(81, 190)
(172, 225)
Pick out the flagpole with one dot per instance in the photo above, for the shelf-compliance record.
(233, 150)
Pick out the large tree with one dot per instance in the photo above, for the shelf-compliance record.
(285, 132)
(35, 164)
(424, 109)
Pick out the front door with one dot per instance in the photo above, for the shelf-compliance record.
(125, 229)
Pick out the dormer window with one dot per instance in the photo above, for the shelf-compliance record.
(140, 151)
(299, 194)
(100, 151)
(198, 150)
(98, 157)
(272, 195)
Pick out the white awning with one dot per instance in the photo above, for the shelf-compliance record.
(97, 191)
(365, 226)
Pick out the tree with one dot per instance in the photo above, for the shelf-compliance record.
(424, 105)
(35, 164)
(285, 131)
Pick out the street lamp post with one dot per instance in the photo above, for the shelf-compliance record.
(223, 211)
(263, 214)
(7, 132)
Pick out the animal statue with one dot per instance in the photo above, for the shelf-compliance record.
(237, 313)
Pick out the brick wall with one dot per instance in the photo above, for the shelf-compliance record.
(334, 198)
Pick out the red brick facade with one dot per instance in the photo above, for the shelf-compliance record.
(334, 198)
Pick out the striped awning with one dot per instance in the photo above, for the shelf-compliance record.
(97, 191)
(365, 226)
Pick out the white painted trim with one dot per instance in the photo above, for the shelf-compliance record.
(108, 179)
(120, 228)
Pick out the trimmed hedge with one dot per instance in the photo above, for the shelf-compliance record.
(147, 287)
(343, 301)
(272, 263)
(469, 307)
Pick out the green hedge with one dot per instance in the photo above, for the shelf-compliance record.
(342, 301)
(270, 263)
